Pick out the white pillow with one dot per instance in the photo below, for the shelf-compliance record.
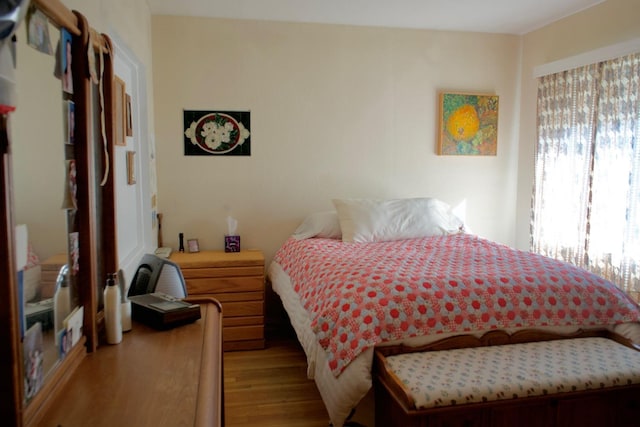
(363, 220)
(319, 224)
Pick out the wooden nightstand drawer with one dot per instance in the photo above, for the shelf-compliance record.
(225, 272)
(237, 281)
(244, 308)
(225, 284)
(218, 259)
(243, 321)
(241, 333)
(238, 296)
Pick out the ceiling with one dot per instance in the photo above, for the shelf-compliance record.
(487, 16)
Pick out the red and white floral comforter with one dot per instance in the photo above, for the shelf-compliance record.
(362, 294)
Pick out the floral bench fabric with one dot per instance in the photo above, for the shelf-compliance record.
(454, 377)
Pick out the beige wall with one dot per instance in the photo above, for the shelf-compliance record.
(339, 111)
(37, 123)
(336, 111)
(129, 19)
(38, 150)
(609, 23)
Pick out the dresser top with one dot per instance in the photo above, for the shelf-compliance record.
(152, 378)
(205, 259)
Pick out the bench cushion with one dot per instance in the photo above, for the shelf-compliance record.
(480, 374)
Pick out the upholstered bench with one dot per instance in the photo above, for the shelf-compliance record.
(568, 382)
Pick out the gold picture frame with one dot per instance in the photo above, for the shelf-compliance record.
(468, 124)
(131, 167)
(120, 111)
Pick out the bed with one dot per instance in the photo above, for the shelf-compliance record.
(375, 273)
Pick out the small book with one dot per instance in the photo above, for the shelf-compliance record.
(164, 252)
(161, 311)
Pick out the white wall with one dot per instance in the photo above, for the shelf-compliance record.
(336, 111)
(38, 149)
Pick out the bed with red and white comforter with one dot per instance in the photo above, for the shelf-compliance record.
(344, 299)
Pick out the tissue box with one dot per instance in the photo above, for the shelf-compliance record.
(232, 243)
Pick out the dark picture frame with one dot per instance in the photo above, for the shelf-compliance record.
(217, 133)
(128, 118)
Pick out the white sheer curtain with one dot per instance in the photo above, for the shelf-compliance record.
(586, 197)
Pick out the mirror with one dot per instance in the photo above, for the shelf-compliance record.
(41, 174)
(36, 178)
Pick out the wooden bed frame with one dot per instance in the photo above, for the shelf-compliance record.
(618, 406)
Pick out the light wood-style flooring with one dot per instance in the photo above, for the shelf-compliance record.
(269, 388)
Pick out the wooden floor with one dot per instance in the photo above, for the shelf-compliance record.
(268, 388)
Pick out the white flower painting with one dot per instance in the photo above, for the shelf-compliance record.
(217, 133)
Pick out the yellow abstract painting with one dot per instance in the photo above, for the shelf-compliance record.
(468, 124)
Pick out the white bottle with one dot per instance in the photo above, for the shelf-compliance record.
(112, 315)
(61, 302)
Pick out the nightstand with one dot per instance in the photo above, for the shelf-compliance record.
(236, 280)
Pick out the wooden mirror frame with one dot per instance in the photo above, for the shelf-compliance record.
(13, 411)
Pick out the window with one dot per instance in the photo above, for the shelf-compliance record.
(586, 197)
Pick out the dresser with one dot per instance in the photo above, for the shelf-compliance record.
(237, 280)
(152, 378)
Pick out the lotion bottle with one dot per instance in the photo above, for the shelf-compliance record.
(112, 315)
(61, 301)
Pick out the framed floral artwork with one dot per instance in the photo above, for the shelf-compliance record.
(216, 133)
(468, 124)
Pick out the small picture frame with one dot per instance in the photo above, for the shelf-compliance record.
(128, 119)
(38, 31)
(33, 355)
(131, 167)
(70, 122)
(66, 46)
(70, 200)
(74, 252)
(120, 100)
(193, 245)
